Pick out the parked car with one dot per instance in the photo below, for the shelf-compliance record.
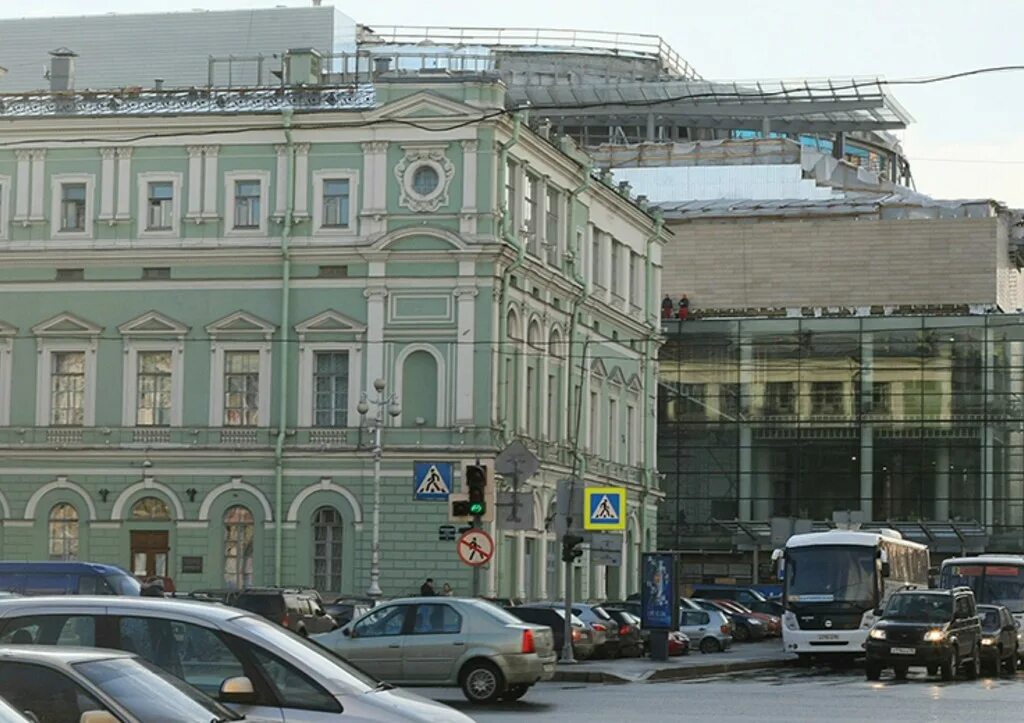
(630, 638)
(296, 609)
(678, 643)
(772, 623)
(744, 595)
(442, 641)
(633, 607)
(710, 630)
(582, 636)
(999, 647)
(277, 674)
(10, 714)
(606, 632)
(744, 627)
(936, 629)
(343, 610)
(99, 686)
(66, 578)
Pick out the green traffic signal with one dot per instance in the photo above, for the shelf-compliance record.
(477, 508)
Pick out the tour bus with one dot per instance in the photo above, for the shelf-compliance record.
(995, 579)
(834, 581)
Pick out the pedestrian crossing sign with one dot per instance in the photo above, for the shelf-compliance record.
(605, 508)
(432, 480)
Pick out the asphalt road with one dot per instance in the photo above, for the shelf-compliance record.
(783, 696)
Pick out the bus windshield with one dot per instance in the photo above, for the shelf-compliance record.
(1001, 584)
(829, 574)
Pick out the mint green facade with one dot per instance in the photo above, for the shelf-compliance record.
(483, 303)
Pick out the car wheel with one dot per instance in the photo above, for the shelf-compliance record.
(949, 666)
(514, 692)
(1010, 664)
(973, 669)
(710, 645)
(900, 672)
(873, 671)
(482, 682)
(741, 634)
(932, 670)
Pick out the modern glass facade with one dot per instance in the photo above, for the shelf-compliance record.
(903, 419)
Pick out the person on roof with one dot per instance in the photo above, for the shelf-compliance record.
(684, 308)
(667, 307)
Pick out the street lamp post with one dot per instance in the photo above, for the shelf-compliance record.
(380, 401)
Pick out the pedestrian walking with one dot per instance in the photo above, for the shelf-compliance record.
(427, 588)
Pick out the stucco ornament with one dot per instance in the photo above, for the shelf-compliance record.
(424, 176)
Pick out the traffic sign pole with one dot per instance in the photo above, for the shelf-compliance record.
(476, 568)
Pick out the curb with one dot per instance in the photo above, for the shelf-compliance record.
(665, 674)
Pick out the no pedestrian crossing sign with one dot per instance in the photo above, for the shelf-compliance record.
(475, 547)
(432, 480)
(604, 508)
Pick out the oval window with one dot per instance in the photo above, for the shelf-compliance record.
(425, 180)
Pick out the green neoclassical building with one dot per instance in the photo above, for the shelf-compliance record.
(198, 287)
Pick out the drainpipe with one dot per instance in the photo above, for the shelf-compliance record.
(510, 236)
(579, 462)
(282, 425)
(648, 373)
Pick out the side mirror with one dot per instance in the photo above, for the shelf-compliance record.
(348, 632)
(320, 612)
(237, 690)
(97, 716)
(878, 612)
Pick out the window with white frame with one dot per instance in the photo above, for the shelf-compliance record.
(595, 256)
(336, 202)
(634, 285)
(595, 422)
(247, 212)
(72, 207)
(247, 203)
(511, 174)
(631, 435)
(153, 388)
(552, 223)
(335, 193)
(67, 388)
(330, 388)
(616, 272)
(159, 206)
(63, 532)
(613, 430)
(531, 211)
(241, 388)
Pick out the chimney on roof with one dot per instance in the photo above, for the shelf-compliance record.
(158, 83)
(62, 69)
(303, 66)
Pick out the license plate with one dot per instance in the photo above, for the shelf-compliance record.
(828, 636)
(904, 651)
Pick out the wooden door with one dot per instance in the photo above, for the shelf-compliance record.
(150, 553)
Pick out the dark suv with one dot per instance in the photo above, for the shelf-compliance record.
(299, 610)
(937, 629)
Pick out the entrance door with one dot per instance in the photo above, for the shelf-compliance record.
(150, 552)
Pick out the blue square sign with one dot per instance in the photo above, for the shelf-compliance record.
(431, 480)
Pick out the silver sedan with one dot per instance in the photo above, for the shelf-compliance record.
(434, 641)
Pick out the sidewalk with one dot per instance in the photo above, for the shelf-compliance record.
(744, 656)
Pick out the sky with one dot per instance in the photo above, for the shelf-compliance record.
(967, 140)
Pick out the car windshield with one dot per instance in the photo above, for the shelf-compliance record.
(992, 584)
(831, 574)
(325, 664)
(600, 612)
(920, 607)
(150, 694)
(990, 621)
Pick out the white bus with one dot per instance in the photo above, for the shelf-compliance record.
(834, 581)
(995, 579)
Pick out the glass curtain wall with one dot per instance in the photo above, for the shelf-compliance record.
(900, 418)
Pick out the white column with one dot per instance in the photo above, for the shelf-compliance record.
(375, 178)
(542, 552)
(467, 219)
(465, 297)
(107, 182)
(376, 297)
(607, 263)
(281, 187)
(124, 184)
(302, 180)
(38, 187)
(195, 181)
(521, 571)
(24, 187)
(210, 182)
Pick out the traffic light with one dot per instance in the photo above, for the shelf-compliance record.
(476, 484)
(571, 549)
(460, 508)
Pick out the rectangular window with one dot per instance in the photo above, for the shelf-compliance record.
(152, 273)
(247, 204)
(881, 397)
(67, 388)
(153, 389)
(160, 206)
(595, 258)
(552, 421)
(72, 207)
(613, 430)
(330, 389)
(826, 398)
(692, 402)
(616, 270)
(631, 435)
(531, 407)
(70, 274)
(552, 223)
(530, 211)
(336, 203)
(779, 398)
(241, 388)
(634, 285)
(511, 171)
(333, 272)
(595, 421)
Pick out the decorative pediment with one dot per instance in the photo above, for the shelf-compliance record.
(241, 323)
(153, 323)
(420, 239)
(617, 377)
(598, 370)
(7, 330)
(66, 324)
(329, 322)
(634, 384)
(425, 105)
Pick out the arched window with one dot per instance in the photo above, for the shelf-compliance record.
(63, 532)
(239, 528)
(419, 389)
(152, 509)
(555, 344)
(533, 335)
(327, 550)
